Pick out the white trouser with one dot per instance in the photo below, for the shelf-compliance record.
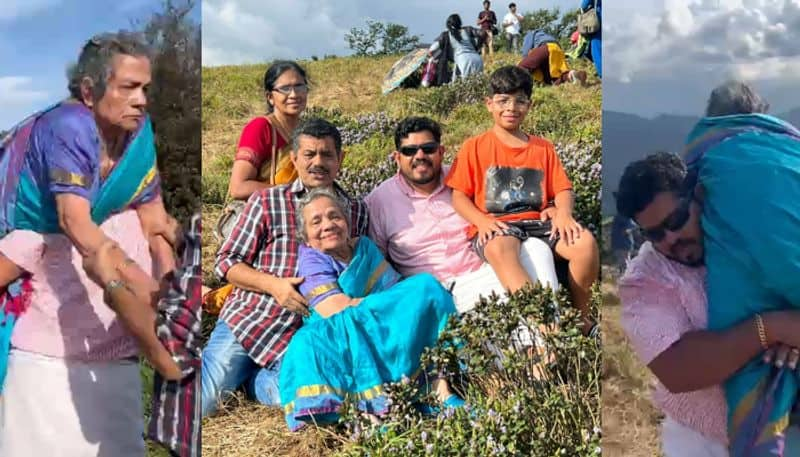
(537, 259)
(57, 408)
(678, 440)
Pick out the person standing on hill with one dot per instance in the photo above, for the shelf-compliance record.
(595, 39)
(511, 22)
(487, 21)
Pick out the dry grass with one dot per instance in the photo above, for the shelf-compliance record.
(630, 422)
(245, 429)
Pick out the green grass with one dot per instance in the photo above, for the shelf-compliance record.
(146, 372)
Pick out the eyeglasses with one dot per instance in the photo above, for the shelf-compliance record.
(299, 89)
(509, 102)
(410, 150)
(672, 223)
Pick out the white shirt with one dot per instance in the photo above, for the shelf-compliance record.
(513, 20)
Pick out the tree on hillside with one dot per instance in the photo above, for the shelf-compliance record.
(396, 39)
(379, 38)
(552, 22)
(175, 104)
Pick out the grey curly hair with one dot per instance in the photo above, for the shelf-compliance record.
(312, 195)
(735, 97)
(94, 61)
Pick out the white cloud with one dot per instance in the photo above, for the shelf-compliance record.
(700, 39)
(250, 31)
(16, 91)
(14, 9)
(18, 99)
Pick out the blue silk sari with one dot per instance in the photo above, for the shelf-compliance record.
(354, 352)
(749, 167)
(26, 204)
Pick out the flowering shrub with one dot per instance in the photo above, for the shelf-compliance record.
(582, 163)
(357, 129)
(443, 99)
(517, 403)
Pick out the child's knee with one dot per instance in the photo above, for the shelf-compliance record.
(502, 250)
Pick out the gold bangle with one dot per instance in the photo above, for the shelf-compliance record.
(762, 333)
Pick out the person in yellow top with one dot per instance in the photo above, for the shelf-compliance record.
(544, 59)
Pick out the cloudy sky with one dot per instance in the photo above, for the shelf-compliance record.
(250, 31)
(40, 38)
(665, 56)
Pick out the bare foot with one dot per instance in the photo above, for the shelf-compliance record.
(578, 76)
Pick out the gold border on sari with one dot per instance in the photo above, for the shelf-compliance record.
(373, 278)
(59, 176)
(319, 290)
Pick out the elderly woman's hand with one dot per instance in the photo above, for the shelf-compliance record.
(99, 266)
(781, 355)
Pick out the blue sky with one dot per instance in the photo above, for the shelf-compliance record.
(40, 38)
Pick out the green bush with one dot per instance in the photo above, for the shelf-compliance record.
(517, 403)
(175, 106)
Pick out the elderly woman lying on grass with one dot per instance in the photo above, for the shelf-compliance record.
(366, 327)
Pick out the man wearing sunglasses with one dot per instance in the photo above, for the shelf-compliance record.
(413, 222)
(664, 311)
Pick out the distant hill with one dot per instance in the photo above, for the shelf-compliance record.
(628, 137)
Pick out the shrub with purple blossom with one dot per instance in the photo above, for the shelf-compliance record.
(541, 400)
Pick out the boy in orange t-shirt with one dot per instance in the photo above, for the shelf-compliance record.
(503, 181)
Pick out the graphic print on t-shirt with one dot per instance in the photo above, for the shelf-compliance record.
(513, 190)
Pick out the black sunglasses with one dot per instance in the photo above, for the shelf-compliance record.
(672, 223)
(410, 150)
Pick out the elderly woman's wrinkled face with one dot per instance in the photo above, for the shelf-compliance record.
(124, 102)
(325, 225)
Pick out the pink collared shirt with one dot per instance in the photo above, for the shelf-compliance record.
(420, 233)
(661, 300)
(67, 316)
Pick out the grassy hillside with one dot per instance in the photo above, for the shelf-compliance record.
(347, 91)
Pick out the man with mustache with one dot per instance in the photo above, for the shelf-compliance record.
(664, 311)
(413, 222)
(260, 259)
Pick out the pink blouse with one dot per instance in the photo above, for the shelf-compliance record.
(67, 316)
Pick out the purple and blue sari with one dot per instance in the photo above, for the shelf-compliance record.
(54, 151)
(749, 167)
(352, 353)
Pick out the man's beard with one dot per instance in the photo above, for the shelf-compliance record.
(698, 262)
(425, 180)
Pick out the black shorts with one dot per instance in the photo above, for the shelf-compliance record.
(522, 230)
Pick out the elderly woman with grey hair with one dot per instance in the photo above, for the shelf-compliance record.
(73, 177)
(735, 97)
(744, 166)
(367, 327)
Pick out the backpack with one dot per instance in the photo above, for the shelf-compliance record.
(588, 22)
